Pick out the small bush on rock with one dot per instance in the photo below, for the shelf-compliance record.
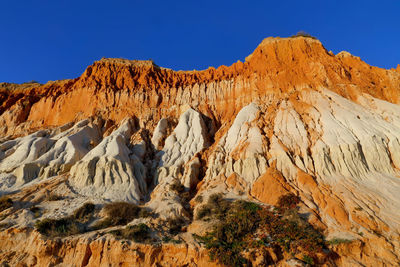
(337, 241)
(35, 210)
(216, 206)
(84, 212)
(199, 199)
(137, 233)
(205, 210)
(307, 259)
(175, 225)
(226, 242)
(304, 34)
(74, 224)
(54, 197)
(243, 225)
(145, 213)
(120, 213)
(288, 201)
(177, 187)
(57, 227)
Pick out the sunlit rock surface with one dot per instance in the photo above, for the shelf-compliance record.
(292, 118)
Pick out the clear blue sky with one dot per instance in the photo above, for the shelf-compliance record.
(57, 39)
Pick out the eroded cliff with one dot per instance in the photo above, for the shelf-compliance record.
(293, 118)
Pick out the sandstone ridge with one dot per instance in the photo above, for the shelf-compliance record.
(293, 118)
(114, 88)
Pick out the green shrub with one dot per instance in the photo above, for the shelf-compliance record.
(5, 203)
(216, 206)
(74, 224)
(288, 201)
(167, 239)
(227, 240)
(246, 225)
(54, 197)
(58, 227)
(220, 205)
(175, 225)
(337, 241)
(137, 233)
(199, 199)
(84, 212)
(177, 187)
(307, 259)
(120, 213)
(204, 211)
(303, 34)
(216, 199)
(294, 237)
(35, 210)
(145, 213)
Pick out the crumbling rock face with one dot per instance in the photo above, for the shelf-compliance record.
(291, 118)
(47, 152)
(95, 251)
(177, 163)
(112, 170)
(118, 89)
(239, 156)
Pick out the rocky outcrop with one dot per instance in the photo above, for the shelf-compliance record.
(112, 170)
(47, 152)
(177, 163)
(239, 157)
(94, 250)
(116, 89)
(291, 118)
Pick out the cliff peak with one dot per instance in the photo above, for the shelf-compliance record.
(275, 46)
(123, 61)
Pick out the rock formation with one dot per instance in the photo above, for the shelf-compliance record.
(111, 169)
(177, 163)
(292, 118)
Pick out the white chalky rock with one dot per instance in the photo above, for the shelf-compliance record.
(355, 151)
(245, 141)
(111, 170)
(24, 150)
(44, 154)
(188, 138)
(159, 133)
(241, 131)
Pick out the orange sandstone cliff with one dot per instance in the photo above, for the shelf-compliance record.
(116, 88)
(293, 118)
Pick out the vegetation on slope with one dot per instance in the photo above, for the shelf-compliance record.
(74, 224)
(137, 233)
(303, 34)
(117, 213)
(245, 226)
(121, 213)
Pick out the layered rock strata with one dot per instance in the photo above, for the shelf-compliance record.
(292, 118)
